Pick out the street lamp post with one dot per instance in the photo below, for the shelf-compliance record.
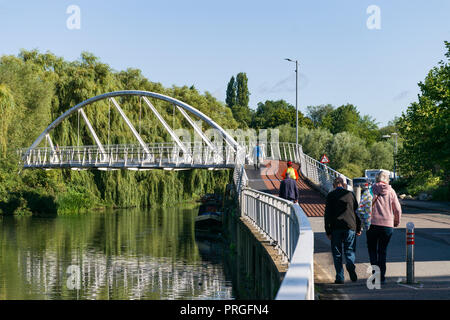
(394, 134)
(296, 98)
(395, 153)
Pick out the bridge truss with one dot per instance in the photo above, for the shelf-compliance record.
(174, 155)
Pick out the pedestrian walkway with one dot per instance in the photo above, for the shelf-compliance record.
(432, 262)
(268, 179)
(432, 249)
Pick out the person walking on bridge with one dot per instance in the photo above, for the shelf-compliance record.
(342, 225)
(257, 155)
(288, 189)
(291, 170)
(386, 214)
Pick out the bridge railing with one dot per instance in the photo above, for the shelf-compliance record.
(129, 156)
(274, 218)
(286, 227)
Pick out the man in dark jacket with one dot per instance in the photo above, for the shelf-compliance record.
(341, 226)
(288, 189)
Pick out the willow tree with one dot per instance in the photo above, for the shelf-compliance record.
(6, 115)
(40, 87)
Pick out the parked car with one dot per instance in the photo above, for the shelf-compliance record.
(362, 182)
(372, 173)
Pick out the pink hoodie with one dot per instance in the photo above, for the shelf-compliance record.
(387, 208)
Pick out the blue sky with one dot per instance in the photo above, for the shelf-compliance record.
(204, 43)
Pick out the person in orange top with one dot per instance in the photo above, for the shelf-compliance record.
(292, 172)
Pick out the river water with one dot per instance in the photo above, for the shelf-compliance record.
(115, 254)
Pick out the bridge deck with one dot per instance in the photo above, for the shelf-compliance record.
(268, 180)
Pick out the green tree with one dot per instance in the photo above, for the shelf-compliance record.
(344, 119)
(346, 148)
(381, 156)
(286, 133)
(317, 114)
(230, 99)
(367, 129)
(243, 115)
(425, 127)
(390, 128)
(242, 93)
(6, 115)
(316, 142)
(271, 114)
(32, 92)
(237, 98)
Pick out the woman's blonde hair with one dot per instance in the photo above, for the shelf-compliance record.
(382, 176)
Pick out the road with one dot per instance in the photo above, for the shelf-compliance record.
(432, 266)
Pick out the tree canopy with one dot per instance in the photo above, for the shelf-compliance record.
(36, 88)
(230, 99)
(271, 114)
(237, 99)
(425, 127)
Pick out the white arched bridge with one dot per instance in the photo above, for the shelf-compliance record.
(207, 152)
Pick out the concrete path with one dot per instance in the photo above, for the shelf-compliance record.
(432, 266)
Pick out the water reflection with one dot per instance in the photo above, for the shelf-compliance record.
(124, 254)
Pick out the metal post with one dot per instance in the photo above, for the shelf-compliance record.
(296, 98)
(410, 252)
(395, 154)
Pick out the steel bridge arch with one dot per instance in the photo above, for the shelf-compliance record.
(228, 138)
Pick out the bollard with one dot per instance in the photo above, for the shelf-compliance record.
(410, 253)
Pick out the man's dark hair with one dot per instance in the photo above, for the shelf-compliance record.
(339, 181)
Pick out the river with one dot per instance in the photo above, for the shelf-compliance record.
(113, 254)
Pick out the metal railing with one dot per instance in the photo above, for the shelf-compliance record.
(274, 218)
(286, 227)
(156, 155)
(298, 282)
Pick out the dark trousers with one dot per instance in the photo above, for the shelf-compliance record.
(378, 238)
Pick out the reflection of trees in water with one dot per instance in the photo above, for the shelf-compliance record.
(126, 254)
(104, 277)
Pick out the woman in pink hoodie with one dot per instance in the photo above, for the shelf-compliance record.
(386, 213)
